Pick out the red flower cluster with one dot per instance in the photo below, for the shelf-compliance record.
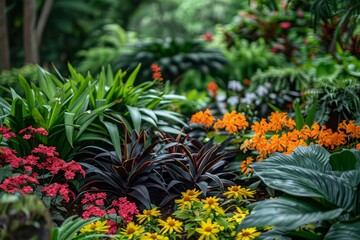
(125, 209)
(156, 72)
(207, 36)
(30, 131)
(95, 206)
(6, 132)
(19, 183)
(43, 159)
(57, 188)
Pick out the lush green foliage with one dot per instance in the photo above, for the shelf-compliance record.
(320, 189)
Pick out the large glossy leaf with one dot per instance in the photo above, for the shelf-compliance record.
(306, 173)
(303, 182)
(343, 161)
(288, 213)
(344, 231)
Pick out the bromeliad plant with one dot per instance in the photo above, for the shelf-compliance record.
(132, 174)
(190, 163)
(318, 188)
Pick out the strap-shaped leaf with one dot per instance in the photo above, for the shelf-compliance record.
(288, 213)
(135, 117)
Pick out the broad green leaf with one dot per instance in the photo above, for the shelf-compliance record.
(169, 115)
(150, 113)
(313, 157)
(310, 118)
(69, 126)
(30, 98)
(47, 85)
(135, 117)
(56, 108)
(115, 137)
(130, 81)
(288, 213)
(38, 118)
(299, 119)
(343, 161)
(304, 174)
(344, 231)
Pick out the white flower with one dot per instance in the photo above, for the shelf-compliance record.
(249, 98)
(235, 86)
(233, 100)
(262, 91)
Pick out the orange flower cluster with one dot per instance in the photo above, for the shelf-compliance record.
(285, 138)
(205, 118)
(232, 122)
(278, 133)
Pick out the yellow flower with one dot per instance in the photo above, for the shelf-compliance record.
(170, 225)
(212, 203)
(147, 214)
(247, 193)
(98, 227)
(239, 192)
(153, 236)
(208, 230)
(239, 215)
(193, 193)
(247, 234)
(187, 198)
(132, 230)
(233, 192)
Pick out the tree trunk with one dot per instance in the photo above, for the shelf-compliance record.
(30, 42)
(4, 38)
(45, 11)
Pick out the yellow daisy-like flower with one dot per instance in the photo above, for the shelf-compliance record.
(239, 215)
(233, 192)
(193, 193)
(148, 214)
(247, 193)
(132, 230)
(239, 192)
(170, 225)
(212, 203)
(187, 199)
(208, 230)
(247, 234)
(153, 236)
(98, 227)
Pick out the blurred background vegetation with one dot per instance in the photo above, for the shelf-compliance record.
(278, 51)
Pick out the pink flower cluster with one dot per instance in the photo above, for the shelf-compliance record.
(6, 132)
(43, 159)
(19, 183)
(30, 131)
(124, 209)
(95, 206)
(62, 189)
